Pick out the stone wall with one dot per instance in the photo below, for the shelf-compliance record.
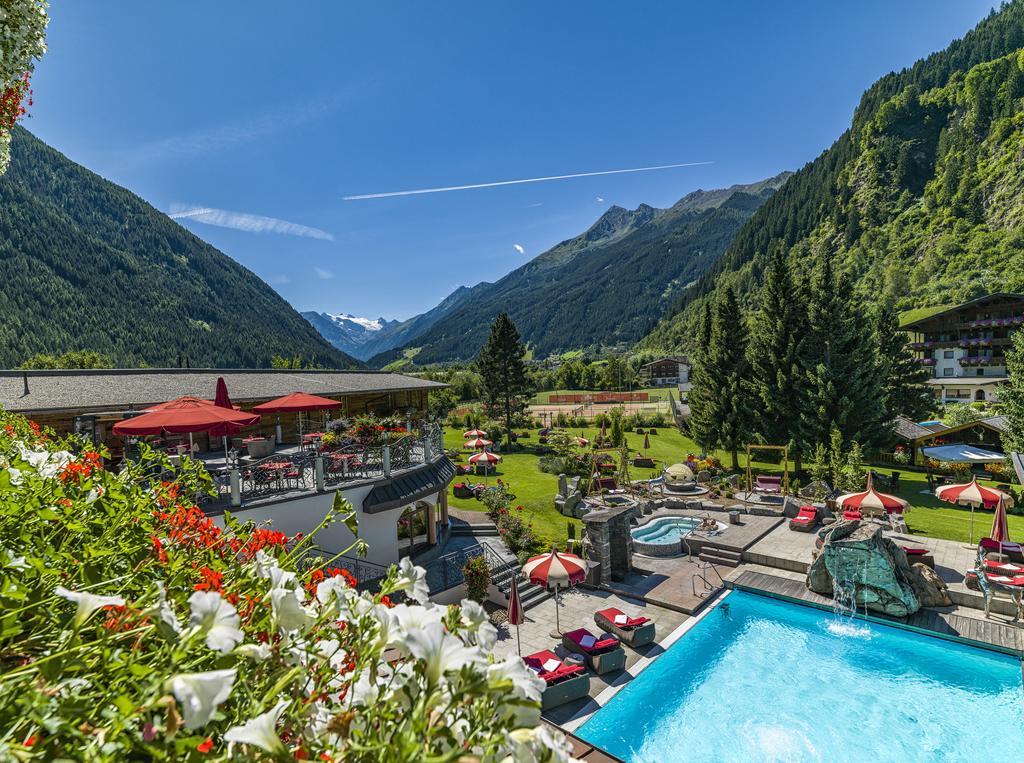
(609, 543)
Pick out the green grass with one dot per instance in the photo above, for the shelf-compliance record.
(917, 313)
(535, 490)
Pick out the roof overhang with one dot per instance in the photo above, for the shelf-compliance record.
(961, 453)
(410, 486)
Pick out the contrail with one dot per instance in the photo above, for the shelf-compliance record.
(518, 182)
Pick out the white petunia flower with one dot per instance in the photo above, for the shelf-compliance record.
(526, 683)
(200, 693)
(87, 603)
(15, 475)
(439, 650)
(478, 625)
(268, 569)
(261, 731)
(414, 580)
(364, 691)
(163, 612)
(289, 611)
(257, 652)
(215, 617)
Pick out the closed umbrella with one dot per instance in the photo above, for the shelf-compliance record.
(222, 400)
(647, 442)
(974, 495)
(558, 571)
(516, 616)
(1000, 529)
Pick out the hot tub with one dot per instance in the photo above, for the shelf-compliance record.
(662, 536)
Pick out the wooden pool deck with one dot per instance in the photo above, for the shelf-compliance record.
(972, 630)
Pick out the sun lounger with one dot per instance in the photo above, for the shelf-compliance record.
(919, 556)
(564, 682)
(1014, 551)
(1004, 568)
(635, 631)
(602, 655)
(805, 521)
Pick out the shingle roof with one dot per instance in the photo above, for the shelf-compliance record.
(1000, 295)
(409, 487)
(122, 388)
(675, 358)
(999, 423)
(910, 430)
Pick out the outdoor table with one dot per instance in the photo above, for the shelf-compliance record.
(275, 465)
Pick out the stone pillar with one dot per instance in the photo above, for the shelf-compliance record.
(235, 478)
(442, 499)
(386, 460)
(318, 474)
(431, 525)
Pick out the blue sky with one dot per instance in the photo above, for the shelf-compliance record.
(248, 112)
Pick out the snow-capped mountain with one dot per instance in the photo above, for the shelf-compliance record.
(348, 331)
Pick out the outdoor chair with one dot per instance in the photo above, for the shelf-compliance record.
(564, 683)
(919, 556)
(1013, 551)
(602, 655)
(806, 520)
(767, 484)
(635, 631)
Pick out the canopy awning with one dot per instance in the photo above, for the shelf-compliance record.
(297, 402)
(962, 453)
(187, 415)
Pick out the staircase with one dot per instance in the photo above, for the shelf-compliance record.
(529, 595)
(485, 530)
(719, 556)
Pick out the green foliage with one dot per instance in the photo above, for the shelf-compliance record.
(720, 401)
(615, 432)
(1011, 397)
(919, 201)
(72, 359)
(904, 391)
(86, 263)
(957, 414)
(505, 386)
(478, 578)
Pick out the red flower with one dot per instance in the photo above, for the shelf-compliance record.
(205, 746)
(212, 580)
(158, 550)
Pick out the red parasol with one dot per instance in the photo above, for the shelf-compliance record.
(1000, 528)
(221, 399)
(516, 615)
(973, 494)
(297, 402)
(872, 499)
(555, 569)
(183, 416)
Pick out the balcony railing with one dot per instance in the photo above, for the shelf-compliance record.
(280, 474)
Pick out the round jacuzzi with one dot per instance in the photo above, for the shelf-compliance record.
(662, 536)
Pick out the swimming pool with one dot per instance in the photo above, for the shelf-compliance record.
(667, 530)
(760, 679)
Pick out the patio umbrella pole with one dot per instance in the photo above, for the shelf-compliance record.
(557, 632)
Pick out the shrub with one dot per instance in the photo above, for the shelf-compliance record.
(136, 628)
(478, 578)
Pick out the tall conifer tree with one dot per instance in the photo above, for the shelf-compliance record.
(506, 385)
(904, 391)
(720, 398)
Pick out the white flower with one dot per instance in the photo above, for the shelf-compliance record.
(439, 650)
(414, 580)
(478, 624)
(290, 613)
(87, 602)
(216, 618)
(525, 682)
(537, 744)
(261, 731)
(8, 559)
(200, 693)
(257, 652)
(364, 691)
(163, 611)
(15, 475)
(268, 569)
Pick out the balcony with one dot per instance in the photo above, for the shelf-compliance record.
(926, 361)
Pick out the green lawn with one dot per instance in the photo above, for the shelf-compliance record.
(535, 490)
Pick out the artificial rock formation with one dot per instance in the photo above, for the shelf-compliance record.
(872, 570)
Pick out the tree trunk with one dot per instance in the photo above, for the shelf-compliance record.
(735, 460)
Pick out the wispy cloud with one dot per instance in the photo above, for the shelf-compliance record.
(217, 138)
(279, 280)
(323, 275)
(497, 183)
(245, 221)
(600, 198)
(519, 248)
(538, 204)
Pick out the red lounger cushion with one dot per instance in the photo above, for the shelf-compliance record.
(1006, 568)
(993, 545)
(631, 622)
(852, 515)
(915, 551)
(1019, 580)
(538, 659)
(605, 644)
(807, 514)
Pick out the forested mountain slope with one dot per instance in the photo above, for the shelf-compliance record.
(921, 200)
(86, 264)
(603, 288)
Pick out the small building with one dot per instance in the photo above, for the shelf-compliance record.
(983, 433)
(666, 372)
(965, 346)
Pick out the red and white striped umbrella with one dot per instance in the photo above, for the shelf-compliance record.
(1000, 529)
(516, 616)
(974, 495)
(484, 457)
(555, 570)
(479, 442)
(583, 441)
(872, 500)
(475, 433)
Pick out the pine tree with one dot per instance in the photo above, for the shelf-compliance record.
(904, 392)
(506, 385)
(777, 357)
(1011, 396)
(720, 398)
(843, 388)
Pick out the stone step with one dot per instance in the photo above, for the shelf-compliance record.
(710, 555)
(530, 599)
(721, 552)
(480, 530)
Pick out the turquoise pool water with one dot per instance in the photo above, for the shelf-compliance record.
(760, 679)
(665, 530)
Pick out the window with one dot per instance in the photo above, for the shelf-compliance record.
(947, 354)
(947, 371)
(981, 372)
